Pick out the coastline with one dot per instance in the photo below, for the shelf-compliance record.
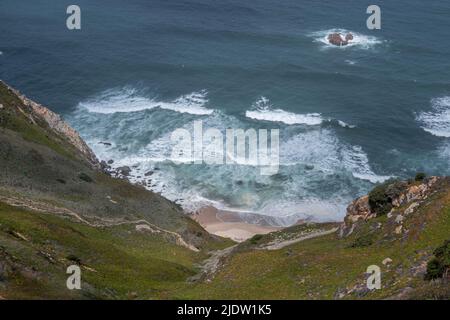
(229, 224)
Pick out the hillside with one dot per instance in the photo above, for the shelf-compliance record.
(58, 208)
(331, 263)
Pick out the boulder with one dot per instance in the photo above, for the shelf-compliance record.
(359, 209)
(337, 39)
(125, 170)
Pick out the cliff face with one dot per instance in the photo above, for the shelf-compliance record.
(37, 113)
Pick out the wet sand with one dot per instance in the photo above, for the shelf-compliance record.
(229, 224)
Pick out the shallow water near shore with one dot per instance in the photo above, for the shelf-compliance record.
(349, 117)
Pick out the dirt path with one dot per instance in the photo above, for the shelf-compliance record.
(282, 244)
(52, 209)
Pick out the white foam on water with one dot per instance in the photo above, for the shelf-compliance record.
(437, 121)
(360, 40)
(263, 111)
(144, 144)
(129, 100)
(317, 147)
(323, 150)
(346, 125)
(356, 160)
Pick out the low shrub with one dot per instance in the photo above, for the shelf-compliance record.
(420, 176)
(362, 241)
(256, 238)
(438, 266)
(74, 258)
(381, 197)
(83, 176)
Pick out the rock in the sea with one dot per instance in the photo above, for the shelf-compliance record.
(337, 39)
(125, 170)
(104, 166)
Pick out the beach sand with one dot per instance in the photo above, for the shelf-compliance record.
(229, 224)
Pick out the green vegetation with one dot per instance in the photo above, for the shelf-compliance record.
(329, 267)
(115, 260)
(440, 264)
(362, 241)
(256, 238)
(83, 176)
(380, 198)
(15, 116)
(420, 176)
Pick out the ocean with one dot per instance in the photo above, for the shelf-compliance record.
(349, 117)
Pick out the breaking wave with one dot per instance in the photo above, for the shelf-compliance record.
(437, 121)
(129, 100)
(315, 164)
(263, 111)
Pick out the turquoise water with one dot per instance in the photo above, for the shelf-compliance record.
(348, 117)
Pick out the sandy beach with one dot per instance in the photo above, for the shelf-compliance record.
(229, 224)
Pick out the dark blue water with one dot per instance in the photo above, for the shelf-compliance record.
(348, 117)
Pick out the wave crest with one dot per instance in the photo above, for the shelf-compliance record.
(437, 121)
(263, 111)
(129, 100)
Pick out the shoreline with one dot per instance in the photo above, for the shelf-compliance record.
(229, 224)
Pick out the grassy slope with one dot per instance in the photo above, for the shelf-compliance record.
(324, 267)
(125, 261)
(40, 166)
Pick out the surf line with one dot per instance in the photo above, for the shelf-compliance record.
(237, 147)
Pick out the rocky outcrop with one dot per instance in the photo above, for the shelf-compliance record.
(359, 209)
(411, 196)
(56, 124)
(338, 40)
